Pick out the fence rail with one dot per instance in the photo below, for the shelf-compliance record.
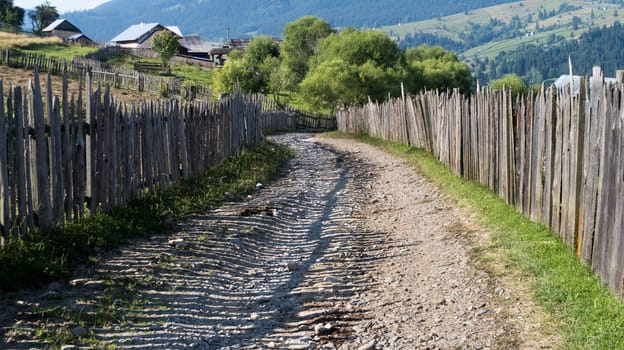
(556, 157)
(116, 76)
(66, 157)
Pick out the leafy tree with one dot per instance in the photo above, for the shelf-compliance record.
(279, 77)
(10, 15)
(534, 77)
(330, 84)
(436, 68)
(510, 81)
(300, 43)
(166, 44)
(42, 16)
(351, 67)
(252, 70)
(232, 74)
(358, 47)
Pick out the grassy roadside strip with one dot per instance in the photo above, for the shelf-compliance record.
(40, 258)
(587, 315)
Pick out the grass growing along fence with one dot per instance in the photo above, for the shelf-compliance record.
(41, 257)
(62, 165)
(554, 156)
(586, 314)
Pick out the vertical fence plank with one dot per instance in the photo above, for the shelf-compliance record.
(4, 174)
(551, 156)
(68, 150)
(592, 159)
(44, 203)
(56, 163)
(22, 181)
(549, 153)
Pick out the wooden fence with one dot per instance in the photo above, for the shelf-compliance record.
(556, 157)
(62, 158)
(116, 76)
(276, 117)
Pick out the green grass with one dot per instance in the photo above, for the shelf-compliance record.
(66, 52)
(587, 315)
(123, 301)
(193, 74)
(41, 258)
(120, 302)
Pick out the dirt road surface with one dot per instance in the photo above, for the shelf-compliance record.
(349, 248)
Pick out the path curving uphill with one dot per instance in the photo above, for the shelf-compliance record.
(349, 248)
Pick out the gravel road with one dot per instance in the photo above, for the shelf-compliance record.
(348, 249)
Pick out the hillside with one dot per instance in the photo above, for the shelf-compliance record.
(536, 63)
(210, 18)
(485, 32)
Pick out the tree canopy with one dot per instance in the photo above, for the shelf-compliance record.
(166, 44)
(254, 70)
(11, 16)
(351, 67)
(42, 16)
(433, 67)
(511, 82)
(338, 69)
(300, 43)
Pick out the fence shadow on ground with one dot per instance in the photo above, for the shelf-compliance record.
(293, 256)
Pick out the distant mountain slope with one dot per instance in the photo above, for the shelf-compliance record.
(488, 30)
(210, 18)
(599, 46)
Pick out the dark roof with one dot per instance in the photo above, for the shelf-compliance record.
(238, 43)
(220, 51)
(61, 24)
(78, 37)
(194, 44)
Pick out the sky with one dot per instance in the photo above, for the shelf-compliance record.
(61, 5)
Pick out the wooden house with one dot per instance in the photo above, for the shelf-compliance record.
(194, 46)
(61, 28)
(139, 36)
(80, 39)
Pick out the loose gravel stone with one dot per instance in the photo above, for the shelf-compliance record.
(349, 248)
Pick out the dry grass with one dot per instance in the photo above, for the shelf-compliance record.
(11, 40)
(21, 77)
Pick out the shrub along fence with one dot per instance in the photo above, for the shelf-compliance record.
(62, 158)
(556, 157)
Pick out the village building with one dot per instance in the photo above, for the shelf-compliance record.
(80, 39)
(193, 46)
(65, 30)
(563, 82)
(139, 36)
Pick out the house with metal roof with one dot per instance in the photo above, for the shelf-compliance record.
(61, 28)
(139, 36)
(80, 39)
(563, 82)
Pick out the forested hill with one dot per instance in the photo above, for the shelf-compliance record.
(210, 18)
(601, 46)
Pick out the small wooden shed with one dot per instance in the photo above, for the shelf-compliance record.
(61, 28)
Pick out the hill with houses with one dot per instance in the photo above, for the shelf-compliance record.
(214, 19)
